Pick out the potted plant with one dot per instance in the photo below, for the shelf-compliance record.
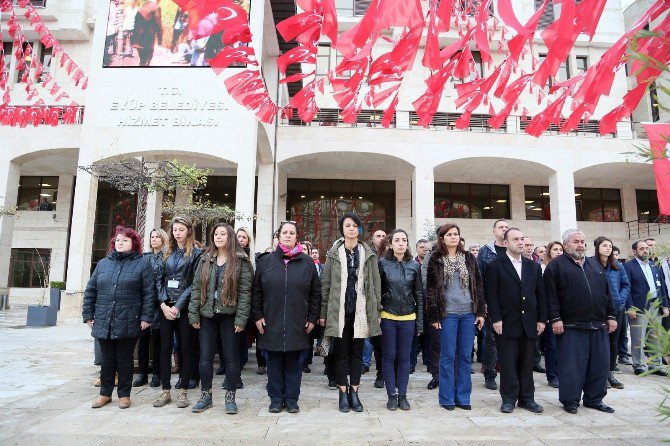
(55, 288)
(41, 315)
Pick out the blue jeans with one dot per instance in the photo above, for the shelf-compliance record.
(367, 353)
(458, 333)
(397, 339)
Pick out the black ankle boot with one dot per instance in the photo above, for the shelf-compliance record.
(402, 402)
(392, 403)
(344, 401)
(354, 402)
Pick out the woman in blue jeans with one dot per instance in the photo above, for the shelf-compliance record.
(402, 316)
(454, 305)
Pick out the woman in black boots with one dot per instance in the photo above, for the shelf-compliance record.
(219, 309)
(350, 306)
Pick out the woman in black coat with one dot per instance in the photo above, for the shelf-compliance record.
(285, 303)
(119, 302)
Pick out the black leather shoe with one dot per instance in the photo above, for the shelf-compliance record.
(639, 370)
(491, 384)
(464, 406)
(332, 385)
(532, 407)
(403, 404)
(141, 380)
(292, 408)
(602, 407)
(506, 407)
(275, 407)
(155, 381)
(354, 402)
(433, 384)
(344, 402)
(539, 369)
(447, 406)
(392, 403)
(570, 409)
(554, 384)
(221, 370)
(306, 369)
(192, 384)
(612, 381)
(412, 370)
(625, 360)
(178, 385)
(379, 382)
(365, 369)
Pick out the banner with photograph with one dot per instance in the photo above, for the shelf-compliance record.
(155, 33)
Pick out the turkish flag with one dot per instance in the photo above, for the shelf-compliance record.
(212, 16)
(659, 135)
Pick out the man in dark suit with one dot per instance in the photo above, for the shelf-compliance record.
(646, 279)
(518, 311)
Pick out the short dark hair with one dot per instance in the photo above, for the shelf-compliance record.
(505, 236)
(422, 240)
(616, 248)
(356, 220)
(634, 246)
(495, 223)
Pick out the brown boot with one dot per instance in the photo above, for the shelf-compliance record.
(163, 399)
(175, 364)
(124, 402)
(101, 401)
(97, 382)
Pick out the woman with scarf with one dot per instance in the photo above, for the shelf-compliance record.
(454, 305)
(285, 302)
(350, 306)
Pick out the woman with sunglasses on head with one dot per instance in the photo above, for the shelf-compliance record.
(454, 305)
(219, 309)
(350, 306)
(119, 302)
(285, 301)
(174, 281)
(158, 241)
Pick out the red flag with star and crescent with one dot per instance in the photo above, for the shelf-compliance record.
(659, 140)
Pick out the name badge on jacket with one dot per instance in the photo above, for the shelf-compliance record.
(173, 284)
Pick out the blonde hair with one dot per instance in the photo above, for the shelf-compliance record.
(164, 237)
(190, 238)
(247, 231)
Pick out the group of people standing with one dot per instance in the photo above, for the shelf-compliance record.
(204, 297)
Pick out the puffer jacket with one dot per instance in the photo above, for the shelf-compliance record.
(155, 259)
(120, 293)
(245, 277)
(334, 276)
(402, 291)
(435, 309)
(286, 295)
(184, 273)
(619, 284)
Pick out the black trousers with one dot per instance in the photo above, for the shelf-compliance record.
(186, 337)
(377, 350)
(117, 357)
(614, 339)
(434, 364)
(516, 369)
(490, 357)
(211, 330)
(284, 375)
(583, 363)
(349, 355)
(153, 338)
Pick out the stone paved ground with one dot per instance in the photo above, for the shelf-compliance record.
(47, 389)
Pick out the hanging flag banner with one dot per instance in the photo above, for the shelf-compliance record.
(659, 141)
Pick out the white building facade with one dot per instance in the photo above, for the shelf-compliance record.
(405, 176)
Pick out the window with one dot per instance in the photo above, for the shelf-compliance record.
(537, 203)
(478, 66)
(547, 17)
(323, 59)
(647, 205)
(346, 74)
(594, 204)
(45, 60)
(113, 208)
(350, 8)
(459, 200)
(219, 190)
(36, 3)
(28, 268)
(581, 63)
(563, 73)
(26, 62)
(38, 193)
(7, 48)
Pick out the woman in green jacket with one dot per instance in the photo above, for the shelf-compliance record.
(220, 306)
(350, 306)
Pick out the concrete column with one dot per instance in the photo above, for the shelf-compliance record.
(9, 187)
(562, 205)
(81, 238)
(265, 218)
(423, 201)
(628, 202)
(154, 215)
(403, 208)
(402, 119)
(517, 198)
(246, 188)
